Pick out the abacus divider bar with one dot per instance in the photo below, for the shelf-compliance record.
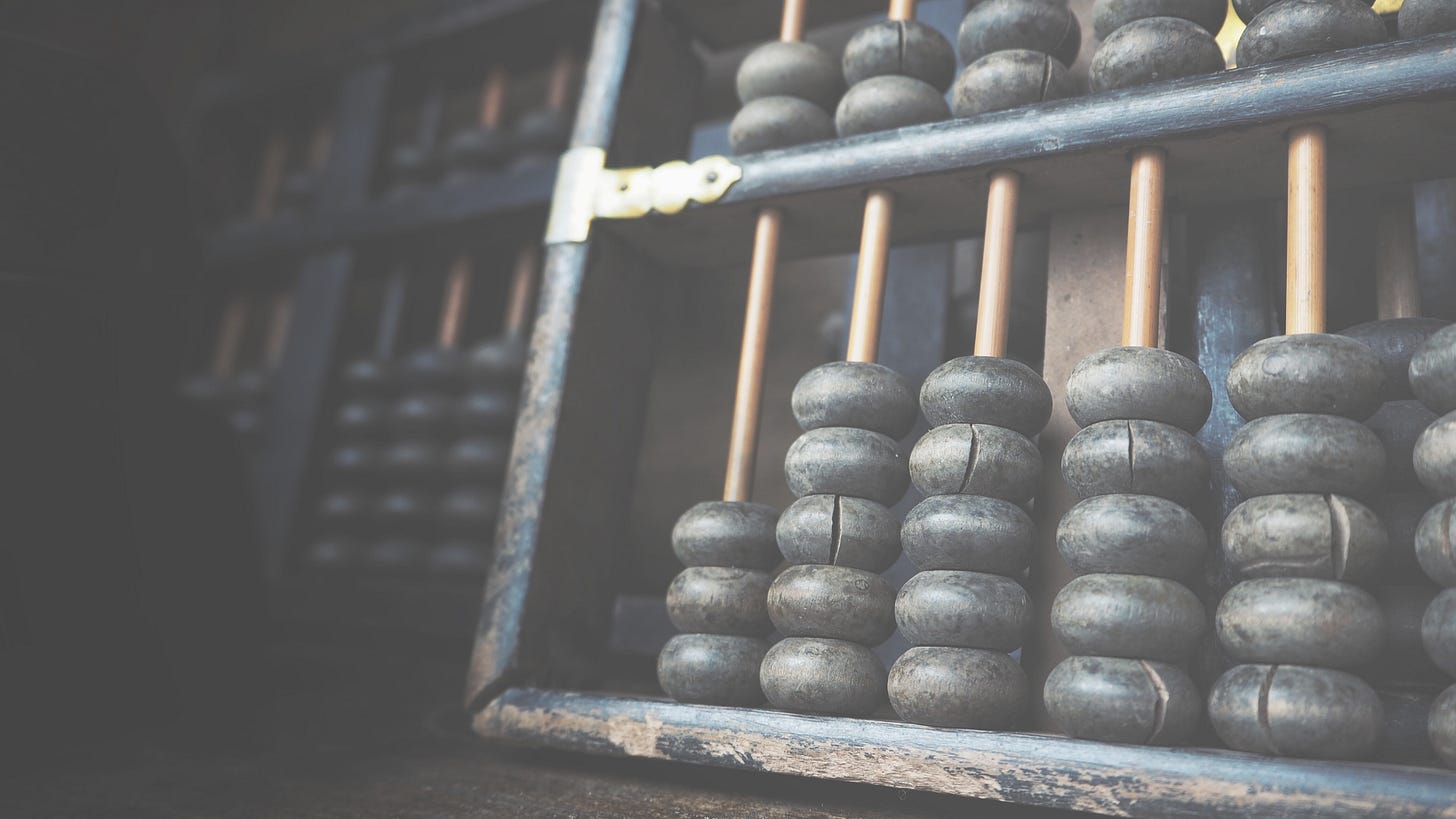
(493, 96)
(523, 287)
(869, 279)
(902, 10)
(998, 248)
(791, 29)
(230, 337)
(1397, 287)
(452, 311)
(1305, 260)
(280, 318)
(270, 174)
(558, 83)
(1142, 288)
(748, 398)
(391, 312)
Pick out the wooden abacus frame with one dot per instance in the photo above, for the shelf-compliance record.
(542, 636)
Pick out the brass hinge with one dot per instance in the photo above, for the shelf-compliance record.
(587, 190)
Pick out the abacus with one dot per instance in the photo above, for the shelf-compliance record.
(1150, 685)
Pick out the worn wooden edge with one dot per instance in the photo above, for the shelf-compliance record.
(1028, 769)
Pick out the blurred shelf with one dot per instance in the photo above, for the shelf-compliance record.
(721, 24)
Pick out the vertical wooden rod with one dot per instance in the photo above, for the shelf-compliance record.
(270, 175)
(457, 290)
(791, 30)
(558, 86)
(993, 314)
(902, 10)
(523, 286)
(1144, 248)
(869, 280)
(493, 97)
(1397, 286)
(230, 337)
(748, 400)
(320, 143)
(1305, 274)
(280, 318)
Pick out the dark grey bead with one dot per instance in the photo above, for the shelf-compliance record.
(1435, 546)
(459, 556)
(364, 418)
(846, 461)
(969, 533)
(1398, 424)
(1110, 15)
(1139, 383)
(356, 463)
(965, 609)
(476, 149)
(1156, 49)
(1394, 342)
(987, 390)
(1402, 657)
(542, 130)
(1128, 615)
(855, 394)
(1001, 25)
(719, 600)
(906, 48)
(368, 376)
(976, 459)
(423, 414)
(1405, 737)
(1003, 80)
(727, 533)
(478, 459)
(1330, 537)
(496, 361)
(1304, 453)
(413, 461)
(435, 368)
(1300, 620)
(839, 531)
(712, 669)
(1417, 18)
(1434, 456)
(1433, 371)
(486, 410)
(395, 554)
(886, 103)
(345, 511)
(470, 510)
(823, 677)
(1438, 631)
(778, 122)
(796, 69)
(404, 510)
(1132, 534)
(834, 602)
(1306, 373)
(1136, 458)
(1401, 513)
(958, 688)
(1299, 28)
(333, 553)
(1293, 710)
(1113, 699)
(1442, 726)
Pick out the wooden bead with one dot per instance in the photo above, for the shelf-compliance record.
(1394, 342)
(727, 533)
(790, 69)
(823, 676)
(1402, 657)
(1132, 534)
(907, 48)
(1434, 456)
(958, 688)
(987, 390)
(888, 102)
(1001, 25)
(459, 556)
(1127, 615)
(1306, 373)
(1398, 424)
(401, 510)
(1435, 543)
(333, 553)
(834, 602)
(1003, 80)
(486, 410)
(1329, 537)
(1153, 50)
(1418, 18)
(1299, 28)
(470, 511)
(1442, 726)
(1136, 458)
(1438, 630)
(969, 533)
(395, 554)
(1110, 15)
(1293, 710)
(1112, 699)
(1299, 620)
(1139, 383)
(1405, 737)
(363, 418)
(478, 459)
(422, 414)
(719, 600)
(712, 669)
(1304, 453)
(1401, 513)
(855, 394)
(778, 122)
(847, 461)
(840, 531)
(976, 459)
(1433, 371)
(413, 461)
(965, 609)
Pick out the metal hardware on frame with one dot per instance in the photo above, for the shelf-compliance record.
(587, 190)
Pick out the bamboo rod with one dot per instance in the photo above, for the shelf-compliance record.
(320, 143)
(493, 97)
(457, 291)
(791, 30)
(869, 282)
(1144, 248)
(1397, 286)
(270, 175)
(748, 399)
(563, 74)
(1305, 276)
(230, 337)
(902, 10)
(280, 319)
(523, 288)
(993, 314)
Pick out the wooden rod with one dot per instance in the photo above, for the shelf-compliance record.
(993, 314)
(457, 290)
(1305, 274)
(791, 30)
(902, 10)
(563, 74)
(320, 143)
(390, 314)
(523, 287)
(1397, 286)
(748, 400)
(869, 280)
(270, 175)
(280, 318)
(493, 97)
(230, 337)
(1144, 248)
